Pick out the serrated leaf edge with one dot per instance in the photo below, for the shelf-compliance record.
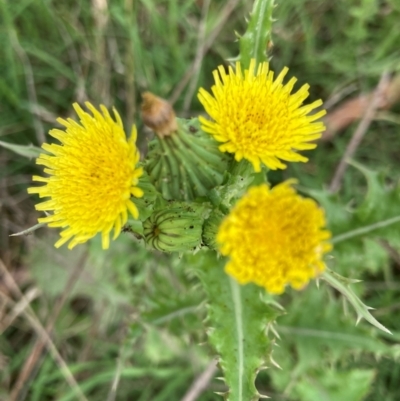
(342, 284)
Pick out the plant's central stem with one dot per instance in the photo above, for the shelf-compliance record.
(235, 291)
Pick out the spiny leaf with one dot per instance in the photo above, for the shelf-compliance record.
(343, 286)
(28, 151)
(254, 42)
(29, 230)
(237, 319)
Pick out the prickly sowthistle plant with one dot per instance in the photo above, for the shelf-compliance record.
(203, 189)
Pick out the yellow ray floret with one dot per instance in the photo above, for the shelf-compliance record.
(257, 118)
(274, 238)
(92, 175)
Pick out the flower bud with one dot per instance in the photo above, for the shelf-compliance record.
(158, 115)
(174, 230)
(186, 164)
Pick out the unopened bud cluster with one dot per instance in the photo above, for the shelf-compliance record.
(183, 164)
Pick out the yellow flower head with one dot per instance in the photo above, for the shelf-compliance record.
(92, 176)
(257, 118)
(273, 238)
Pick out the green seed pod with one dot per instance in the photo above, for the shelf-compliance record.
(174, 230)
(210, 228)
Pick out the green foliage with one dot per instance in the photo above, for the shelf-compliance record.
(237, 323)
(27, 151)
(151, 352)
(316, 44)
(352, 385)
(360, 231)
(358, 235)
(138, 313)
(325, 333)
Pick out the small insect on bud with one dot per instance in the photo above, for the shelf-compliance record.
(158, 115)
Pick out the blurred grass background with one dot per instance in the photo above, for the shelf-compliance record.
(126, 324)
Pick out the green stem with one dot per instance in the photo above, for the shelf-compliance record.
(364, 230)
(237, 302)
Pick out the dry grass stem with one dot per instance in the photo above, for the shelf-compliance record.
(198, 58)
(43, 334)
(224, 15)
(354, 108)
(17, 308)
(201, 382)
(359, 133)
(30, 86)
